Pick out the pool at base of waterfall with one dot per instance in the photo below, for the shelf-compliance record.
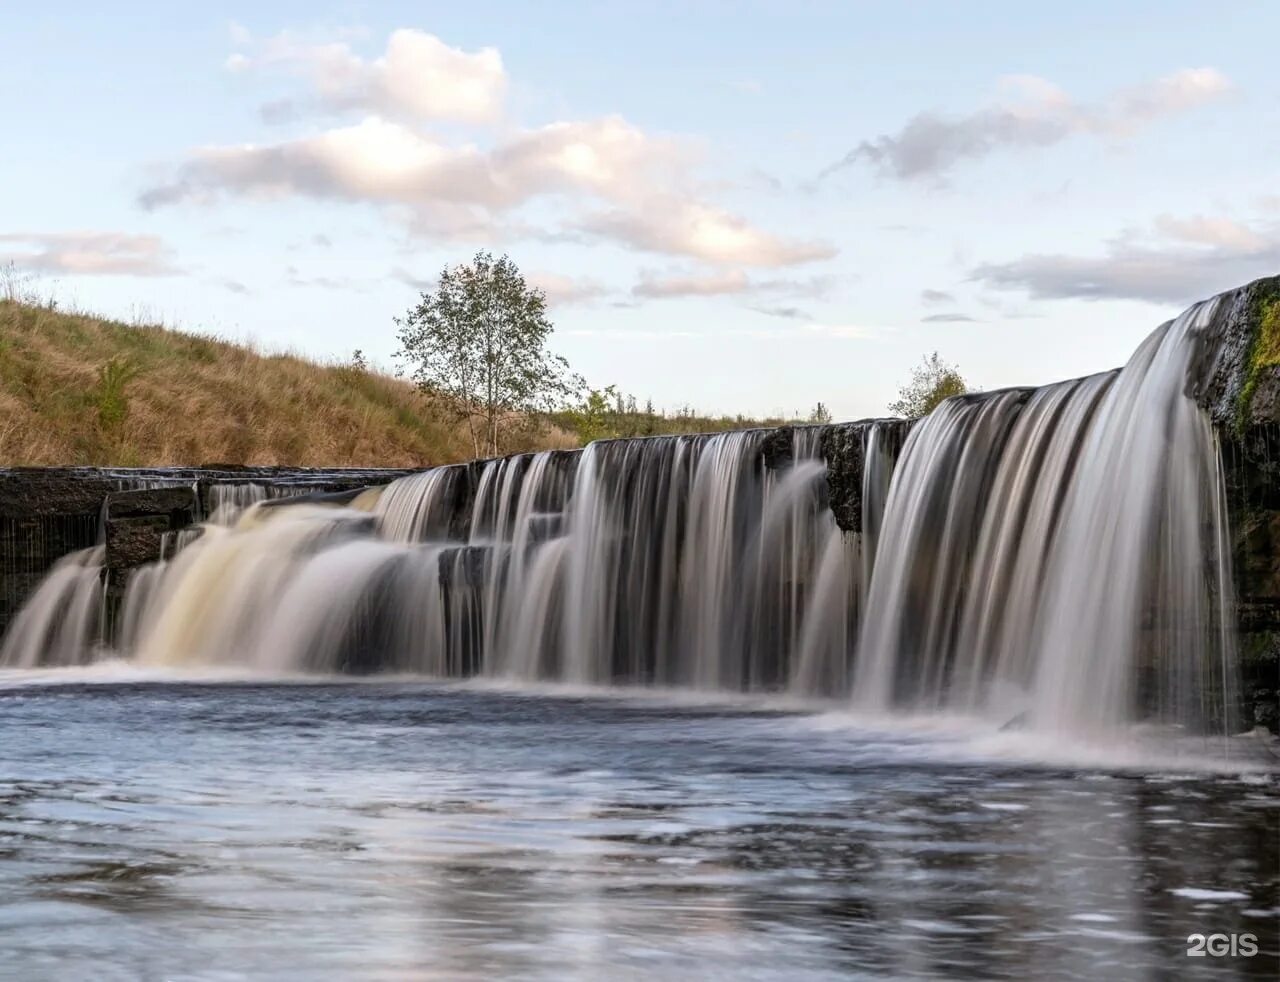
(153, 827)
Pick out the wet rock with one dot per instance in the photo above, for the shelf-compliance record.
(1236, 379)
(36, 492)
(778, 448)
(1236, 373)
(137, 523)
(178, 503)
(843, 447)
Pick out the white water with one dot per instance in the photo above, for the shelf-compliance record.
(1055, 555)
(1041, 550)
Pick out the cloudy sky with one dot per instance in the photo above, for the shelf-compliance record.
(744, 207)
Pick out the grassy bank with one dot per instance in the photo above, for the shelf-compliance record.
(81, 389)
(78, 389)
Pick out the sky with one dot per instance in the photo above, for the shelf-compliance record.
(741, 207)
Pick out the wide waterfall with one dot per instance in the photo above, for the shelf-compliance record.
(1055, 556)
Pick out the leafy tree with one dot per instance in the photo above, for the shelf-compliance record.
(478, 344)
(593, 418)
(820, 414)
(933, 381)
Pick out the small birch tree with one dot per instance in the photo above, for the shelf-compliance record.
(478, 345)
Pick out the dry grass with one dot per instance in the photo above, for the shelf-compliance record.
(78, 389)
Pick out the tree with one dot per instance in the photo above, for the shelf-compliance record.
(820, 414)
(592, 419)
(478, 343)
(930, 383)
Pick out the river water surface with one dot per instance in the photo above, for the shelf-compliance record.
(162, 829)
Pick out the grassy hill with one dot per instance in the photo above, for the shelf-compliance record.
(80, 389)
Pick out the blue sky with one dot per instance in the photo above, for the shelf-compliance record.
(743, 207)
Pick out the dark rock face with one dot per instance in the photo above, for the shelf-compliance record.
(1236, 379)
(37, 492)
(844, 450)
(778, 448)
(137, 522)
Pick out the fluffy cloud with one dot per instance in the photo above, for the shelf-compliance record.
(701, 231)
(1177, 261)
(418, 76)
(88, 253)
(384, 161)
(1037, 114)
(463, 191)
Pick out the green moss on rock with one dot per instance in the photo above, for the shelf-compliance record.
(1264, 350)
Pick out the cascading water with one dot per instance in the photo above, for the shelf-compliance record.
(62, 622)
(1057, 553)
(1046, 546)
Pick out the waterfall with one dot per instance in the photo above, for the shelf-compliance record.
(61, 623)
(1048, 546)
(1058, 554)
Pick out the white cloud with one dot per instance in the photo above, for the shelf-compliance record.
(418, 76)
(936, 296)
(604, 178)
(702, 231)
(89, 253)
(1177, 261)
(1037, 114)
(464, 192)
(561, 291)
(384, 161)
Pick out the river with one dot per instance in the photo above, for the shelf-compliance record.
(177, 827)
